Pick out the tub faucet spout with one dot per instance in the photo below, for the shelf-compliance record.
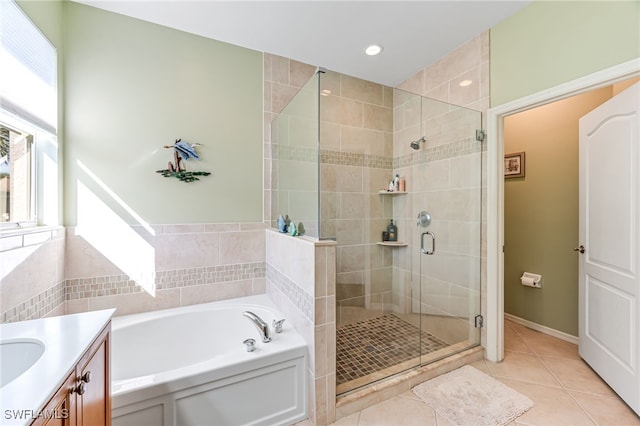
(263, 327)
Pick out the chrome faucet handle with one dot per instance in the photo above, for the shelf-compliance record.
(251, 345)
(277, 325)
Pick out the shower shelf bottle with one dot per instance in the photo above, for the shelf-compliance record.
(390, 237)
(397, 185)
(392, 231)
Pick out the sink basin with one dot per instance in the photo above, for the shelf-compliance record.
(17, 356)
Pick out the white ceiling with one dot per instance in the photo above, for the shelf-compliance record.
(332, 34)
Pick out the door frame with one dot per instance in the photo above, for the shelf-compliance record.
(494, 341)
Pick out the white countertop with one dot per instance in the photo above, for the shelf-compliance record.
(66, 338)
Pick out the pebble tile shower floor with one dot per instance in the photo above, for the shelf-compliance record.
(367, 347)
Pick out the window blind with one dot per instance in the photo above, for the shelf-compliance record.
(28, 69)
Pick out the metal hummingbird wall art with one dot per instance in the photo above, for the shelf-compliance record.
(182, 152)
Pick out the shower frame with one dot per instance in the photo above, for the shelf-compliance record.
(317, 95)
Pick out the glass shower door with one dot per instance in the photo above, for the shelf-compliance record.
(405, 301)
(448, 222)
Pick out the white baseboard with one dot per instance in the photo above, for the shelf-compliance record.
(542, 329)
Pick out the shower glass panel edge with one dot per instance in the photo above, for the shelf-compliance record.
(295, 161)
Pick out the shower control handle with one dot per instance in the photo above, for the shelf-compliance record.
(433, 243)
(424, 219)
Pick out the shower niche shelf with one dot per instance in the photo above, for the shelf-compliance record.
(384, 192)
(392, 243)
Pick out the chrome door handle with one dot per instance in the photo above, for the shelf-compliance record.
(580, 249)
(433, 243)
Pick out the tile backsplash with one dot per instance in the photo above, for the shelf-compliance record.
(55, 272)
(46, 303)
(32, 274)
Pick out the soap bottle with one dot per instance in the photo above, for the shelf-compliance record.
(392, 231)
(282, 224)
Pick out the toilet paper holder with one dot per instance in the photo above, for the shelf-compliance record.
(531, 280)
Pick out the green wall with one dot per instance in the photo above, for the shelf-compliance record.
(132, 87)
(48, 17)
(552, 42)
(541, 211)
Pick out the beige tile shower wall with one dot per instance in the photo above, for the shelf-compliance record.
(454, 192)
(32, 275)
(301, 281)
(356, 138)
(442, 79)
(174, 265)
(283, 78)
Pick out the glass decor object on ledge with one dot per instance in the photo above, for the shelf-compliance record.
(182, 150)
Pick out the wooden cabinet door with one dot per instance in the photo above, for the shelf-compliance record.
(60, 410)
(85, 396)
(94, 404)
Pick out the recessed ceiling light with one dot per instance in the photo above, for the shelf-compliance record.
(373, 50)
(325, 92)
(465, 83)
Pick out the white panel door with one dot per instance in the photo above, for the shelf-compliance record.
(609, 282)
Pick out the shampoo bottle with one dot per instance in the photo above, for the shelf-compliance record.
(392, 231)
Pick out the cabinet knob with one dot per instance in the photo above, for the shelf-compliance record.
(86, 377)
(80, 389)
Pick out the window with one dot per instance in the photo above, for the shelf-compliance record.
(28, 120)
(16, 176)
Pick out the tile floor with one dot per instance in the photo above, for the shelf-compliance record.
(366, 347)
(546, 369)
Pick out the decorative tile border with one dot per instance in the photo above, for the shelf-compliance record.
(84, 288)
(210, 274)
(434, 153)
(36, 307)
(301, 299)
(310, 155)
(294, 153)
(355, 159)
(439, 152)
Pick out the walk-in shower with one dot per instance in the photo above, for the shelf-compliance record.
(335, 148)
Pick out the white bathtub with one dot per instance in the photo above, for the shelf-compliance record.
(189, 366)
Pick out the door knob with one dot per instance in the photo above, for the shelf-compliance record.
(580, 249)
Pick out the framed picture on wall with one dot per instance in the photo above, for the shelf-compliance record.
(514, 165)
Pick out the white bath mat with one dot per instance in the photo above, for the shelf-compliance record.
(468, 397)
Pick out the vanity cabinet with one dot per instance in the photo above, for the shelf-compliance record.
(84, 398)
(60, 410)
